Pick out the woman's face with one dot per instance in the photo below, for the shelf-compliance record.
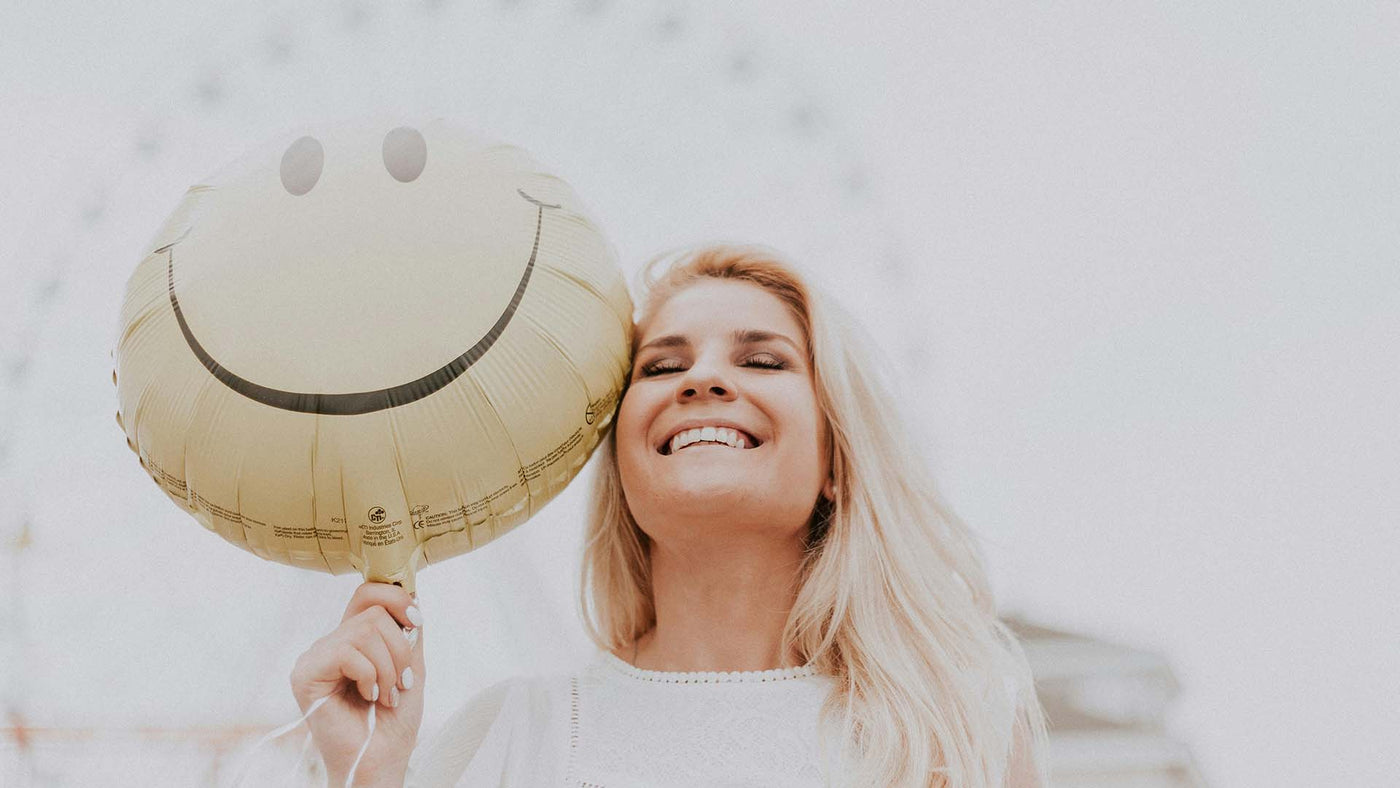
(726, 357)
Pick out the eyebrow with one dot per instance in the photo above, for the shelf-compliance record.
(742, 336)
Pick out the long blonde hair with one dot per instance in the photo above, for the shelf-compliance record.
(931, 688)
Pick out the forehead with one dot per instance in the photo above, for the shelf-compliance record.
(718, 306)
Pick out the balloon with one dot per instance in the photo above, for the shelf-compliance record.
(370, 349)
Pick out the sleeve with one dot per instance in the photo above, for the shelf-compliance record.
(474, 738)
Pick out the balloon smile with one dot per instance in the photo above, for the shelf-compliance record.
(356, 403)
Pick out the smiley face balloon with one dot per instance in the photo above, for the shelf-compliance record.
(371, 348)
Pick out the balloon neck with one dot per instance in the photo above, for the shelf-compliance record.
(404, 579)
(403, 571)
(404, 574)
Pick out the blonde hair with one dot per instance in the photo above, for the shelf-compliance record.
(931, 688)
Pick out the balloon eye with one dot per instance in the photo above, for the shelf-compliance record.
(301, 165)
(405, 153)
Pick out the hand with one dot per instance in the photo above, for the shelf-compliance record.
(364, 661)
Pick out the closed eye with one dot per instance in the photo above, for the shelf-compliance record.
(766, 361)
(667, 365)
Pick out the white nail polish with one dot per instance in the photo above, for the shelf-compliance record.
(415, 616)
(407, 678)
(411, 635)
(393, 697)
(374, 694)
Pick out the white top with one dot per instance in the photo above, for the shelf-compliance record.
(612, 725)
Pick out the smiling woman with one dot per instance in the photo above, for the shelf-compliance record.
(777, 595)
(730, 356)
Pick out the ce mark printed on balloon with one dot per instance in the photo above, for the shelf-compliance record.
(372, 347)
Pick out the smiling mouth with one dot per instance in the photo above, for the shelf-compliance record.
(356, 403)
(666, 452)
(689, 439)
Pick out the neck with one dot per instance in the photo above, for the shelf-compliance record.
(720, 607)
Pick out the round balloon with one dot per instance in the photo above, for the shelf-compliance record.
(372, 348)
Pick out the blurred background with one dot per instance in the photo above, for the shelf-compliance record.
(1137, 266)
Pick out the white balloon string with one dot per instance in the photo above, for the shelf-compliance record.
(350, 778)
(301, 758)
(270, 735)
(291, 726)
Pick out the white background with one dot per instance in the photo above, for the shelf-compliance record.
(1135, 263)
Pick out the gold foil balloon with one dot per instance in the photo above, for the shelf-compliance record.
(371, 349)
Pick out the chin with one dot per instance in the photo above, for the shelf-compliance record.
(717, 495)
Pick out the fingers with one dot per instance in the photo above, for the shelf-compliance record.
(386, 595)
(392, 656)
(377, 647)
(359, 668)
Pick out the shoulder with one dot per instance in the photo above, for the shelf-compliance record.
(518, 698)
(489, 729)
(439, 759)
(496, 726)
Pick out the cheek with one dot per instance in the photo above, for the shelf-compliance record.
(629, 419)
(631, 428)
(815, 439)
(807, 417)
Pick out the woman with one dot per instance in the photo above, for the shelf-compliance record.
(778, 594)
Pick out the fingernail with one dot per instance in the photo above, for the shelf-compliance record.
(411, 635)
(393, 697)
(374, 694)
(415, 616)
(407, 678)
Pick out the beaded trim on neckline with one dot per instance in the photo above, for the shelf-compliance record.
(707, 677)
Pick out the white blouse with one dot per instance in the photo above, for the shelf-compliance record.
(611, 725)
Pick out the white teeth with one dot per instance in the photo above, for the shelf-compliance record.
(725, 435)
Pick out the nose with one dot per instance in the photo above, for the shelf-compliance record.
(703, 382)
